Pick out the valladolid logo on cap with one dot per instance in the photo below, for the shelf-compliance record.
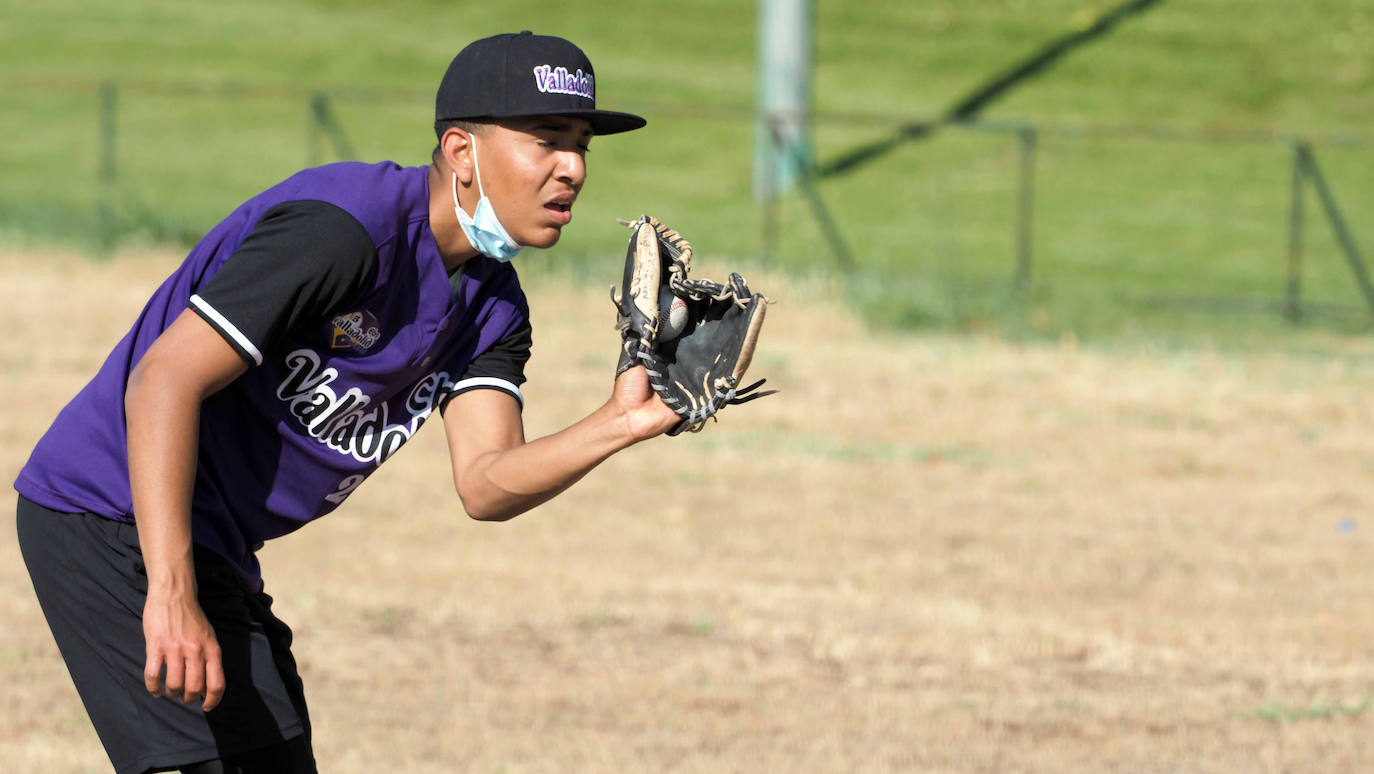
(551, 80)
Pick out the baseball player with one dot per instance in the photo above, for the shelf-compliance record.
(300, 344)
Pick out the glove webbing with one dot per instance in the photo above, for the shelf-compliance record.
(700, 289)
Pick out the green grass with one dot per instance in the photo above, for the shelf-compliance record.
(1278, 712)
(1174, 239)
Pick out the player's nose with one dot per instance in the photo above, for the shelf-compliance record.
(572, 168)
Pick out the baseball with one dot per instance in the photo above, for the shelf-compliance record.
(672, 315)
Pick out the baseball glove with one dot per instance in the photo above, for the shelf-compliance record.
(695, 357)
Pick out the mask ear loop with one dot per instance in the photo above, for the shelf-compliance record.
(453, 182)
(476, 165)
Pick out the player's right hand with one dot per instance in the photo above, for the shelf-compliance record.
(180, 640)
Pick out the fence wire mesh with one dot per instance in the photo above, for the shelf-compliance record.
(1064, 226)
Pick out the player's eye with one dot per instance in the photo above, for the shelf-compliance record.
(581, 148)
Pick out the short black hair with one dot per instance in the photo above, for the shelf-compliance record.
(469, 125)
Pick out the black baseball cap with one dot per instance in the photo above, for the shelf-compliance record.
(510, 75)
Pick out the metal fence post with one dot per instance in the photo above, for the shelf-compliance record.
(312, 129)
(1333, 214)
(818, 208)
(771, 205)
(107, 144)
(322, 121)
(1027, 136)
(1292, 304)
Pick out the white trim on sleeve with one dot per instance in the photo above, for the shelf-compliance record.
(488, 383)
(227, 328)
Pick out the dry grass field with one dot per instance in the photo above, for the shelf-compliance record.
(940, 554)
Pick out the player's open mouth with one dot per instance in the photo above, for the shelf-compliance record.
(560, 212)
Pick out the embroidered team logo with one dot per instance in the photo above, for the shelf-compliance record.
(357, 331)
(552, 80)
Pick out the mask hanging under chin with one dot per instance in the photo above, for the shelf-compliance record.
(483, 229)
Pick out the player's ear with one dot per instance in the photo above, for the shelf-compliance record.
(455, 145)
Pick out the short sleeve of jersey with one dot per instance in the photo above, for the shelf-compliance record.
(500, 368)
(302, 261)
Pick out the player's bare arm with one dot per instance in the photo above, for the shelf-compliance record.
(498, 475)
(187, 363)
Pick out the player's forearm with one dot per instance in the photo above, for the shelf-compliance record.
(507, 483)
(163, 417)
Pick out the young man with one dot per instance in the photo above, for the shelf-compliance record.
(299, 345)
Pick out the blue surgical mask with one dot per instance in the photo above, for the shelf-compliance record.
(484, 231)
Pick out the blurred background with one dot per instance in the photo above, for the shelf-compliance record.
(1070, 467)
(1144, 180)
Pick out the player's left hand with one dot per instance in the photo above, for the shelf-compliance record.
(646, 415)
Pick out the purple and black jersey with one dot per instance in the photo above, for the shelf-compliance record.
(331, 286)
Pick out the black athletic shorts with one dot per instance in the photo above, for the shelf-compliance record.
(88, 574)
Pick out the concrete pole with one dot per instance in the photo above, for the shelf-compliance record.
(782, 138)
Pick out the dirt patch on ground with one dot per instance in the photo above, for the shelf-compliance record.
(925, 554)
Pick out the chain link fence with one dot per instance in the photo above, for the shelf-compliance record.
(1061, 222)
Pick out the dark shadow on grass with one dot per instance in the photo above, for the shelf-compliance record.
(970, 106)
